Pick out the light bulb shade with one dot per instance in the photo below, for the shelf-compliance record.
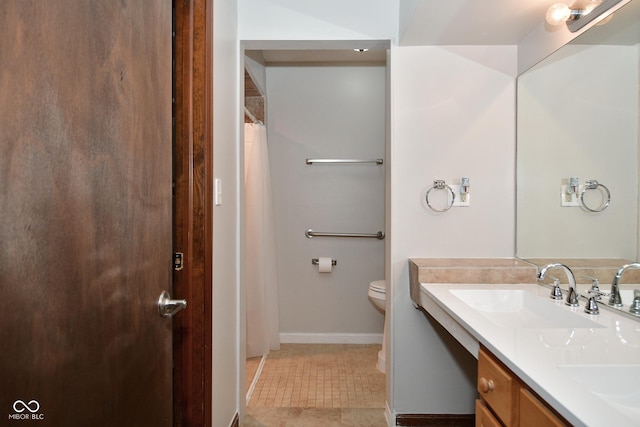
(558, 13)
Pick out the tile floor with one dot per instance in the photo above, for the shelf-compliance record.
(317, 385)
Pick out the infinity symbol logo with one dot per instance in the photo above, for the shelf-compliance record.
(19, 406)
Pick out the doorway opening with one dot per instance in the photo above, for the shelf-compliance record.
(322, 103)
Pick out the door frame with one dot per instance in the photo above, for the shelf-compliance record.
(193, 209)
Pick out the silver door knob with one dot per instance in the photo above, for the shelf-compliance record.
(167, 307)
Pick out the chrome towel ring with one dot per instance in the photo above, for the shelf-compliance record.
(593, 185)
(439, 184)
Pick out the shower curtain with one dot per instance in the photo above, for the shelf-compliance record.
(263, 329)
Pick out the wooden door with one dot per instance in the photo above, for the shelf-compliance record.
(85, 212)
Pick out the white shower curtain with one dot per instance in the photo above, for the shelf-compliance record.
(263, 328)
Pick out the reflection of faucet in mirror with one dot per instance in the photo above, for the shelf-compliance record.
(572, 295)
(635, 304)
(614, 298)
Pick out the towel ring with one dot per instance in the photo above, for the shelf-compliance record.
(441, 185)
(593, 185)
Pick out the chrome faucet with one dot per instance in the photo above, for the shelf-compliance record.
(572, 295)
(614, 297)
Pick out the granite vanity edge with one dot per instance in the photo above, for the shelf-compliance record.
(468, 270)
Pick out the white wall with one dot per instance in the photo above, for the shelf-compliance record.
(567, 108)
(406, 12)
(227, 353)
(327, 112)
(638, 155)
(453, 115)
(317, 20)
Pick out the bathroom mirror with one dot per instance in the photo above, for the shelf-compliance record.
(578, 118)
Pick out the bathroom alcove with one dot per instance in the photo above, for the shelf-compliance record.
(322, 307)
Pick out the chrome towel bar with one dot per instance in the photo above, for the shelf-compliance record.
(376, 161)
(310, 234)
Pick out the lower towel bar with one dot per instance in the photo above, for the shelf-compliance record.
(310, 234)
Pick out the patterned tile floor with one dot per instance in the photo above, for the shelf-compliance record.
(318, 385)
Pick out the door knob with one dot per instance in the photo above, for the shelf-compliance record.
(167, 307)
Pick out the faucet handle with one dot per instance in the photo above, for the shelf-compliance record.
(596, 295)
(592, 305)
(595, 285)
(556, 292)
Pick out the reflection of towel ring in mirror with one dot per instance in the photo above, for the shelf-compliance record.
(593, 185)
(441, 185)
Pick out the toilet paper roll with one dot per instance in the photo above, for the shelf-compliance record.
(324, 264)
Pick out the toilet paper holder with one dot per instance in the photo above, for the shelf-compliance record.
(316, 261)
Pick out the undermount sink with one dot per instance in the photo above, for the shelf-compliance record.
(615, 384)
(516, 308)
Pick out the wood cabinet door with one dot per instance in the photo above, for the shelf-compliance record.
(85, 212)
(534, 414)
(498, 387)
(484, 417)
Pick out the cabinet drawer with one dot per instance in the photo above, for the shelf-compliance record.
(534, 414)
(484, 417)
(498, 387)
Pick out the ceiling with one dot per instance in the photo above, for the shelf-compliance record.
(438, 23)
(343, 56)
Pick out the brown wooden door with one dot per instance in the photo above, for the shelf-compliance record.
(85, 212)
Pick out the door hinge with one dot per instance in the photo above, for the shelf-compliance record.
(178, 262)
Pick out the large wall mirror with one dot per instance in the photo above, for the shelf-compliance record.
(578, 117)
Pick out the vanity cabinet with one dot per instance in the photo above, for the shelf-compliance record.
(484, 417)
(504, 400)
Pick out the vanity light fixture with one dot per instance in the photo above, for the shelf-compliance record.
(360, 50)
(581, 13)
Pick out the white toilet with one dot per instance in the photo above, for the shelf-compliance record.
(378, 297)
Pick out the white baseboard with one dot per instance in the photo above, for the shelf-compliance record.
(388, 415)
(301, 338)
(256, 377)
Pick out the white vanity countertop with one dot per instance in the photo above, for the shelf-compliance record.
(543, 356)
